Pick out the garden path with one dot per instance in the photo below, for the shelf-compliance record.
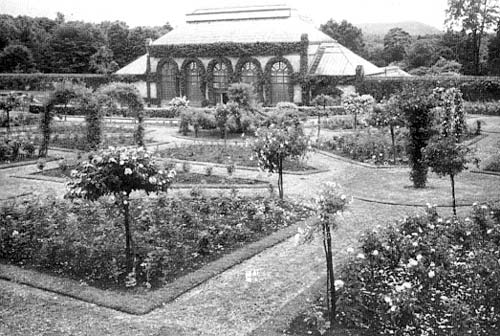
(246, 295)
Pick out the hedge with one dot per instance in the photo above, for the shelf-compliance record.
(485, 108)
(474, 88)
(43, 82)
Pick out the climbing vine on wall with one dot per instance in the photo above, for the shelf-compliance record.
(227, 49)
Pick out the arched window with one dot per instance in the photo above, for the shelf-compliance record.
(221, 82)
(168, 86)
(193, 83)
(249, 74)
(280, 83)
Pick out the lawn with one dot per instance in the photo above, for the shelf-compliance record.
(240, 155)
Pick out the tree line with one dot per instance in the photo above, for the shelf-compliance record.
(56, 46)
(470, 45)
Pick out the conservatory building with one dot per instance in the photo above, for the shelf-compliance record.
(271, 47)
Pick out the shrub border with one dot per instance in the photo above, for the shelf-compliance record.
(137, 304)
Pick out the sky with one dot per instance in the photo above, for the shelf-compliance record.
(158, 12)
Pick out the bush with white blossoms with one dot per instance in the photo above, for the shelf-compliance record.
(427, 276)
(119, 172)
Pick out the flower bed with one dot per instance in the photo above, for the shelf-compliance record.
(367, 146)
(424, 276)
(16, 149)
(181, 177)
(240, 155)
(173, 236)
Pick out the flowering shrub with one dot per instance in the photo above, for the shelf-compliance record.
(355, 104)
(370, 146)
(84, 240)
(118, 172)
(427, 276)
(275, 144)
(15, 149)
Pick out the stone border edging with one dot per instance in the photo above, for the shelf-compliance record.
(220, 165)
(372, 200)
(142, 304)
(485, 172)
(354, 162)
(25, 163)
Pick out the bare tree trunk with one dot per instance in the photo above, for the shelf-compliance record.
(128, 236)
(452, 177)
(280, 176)
(332, 309)
(393, 144)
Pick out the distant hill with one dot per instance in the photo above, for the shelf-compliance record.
(413, 28)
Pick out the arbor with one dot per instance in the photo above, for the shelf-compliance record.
(396, 43)
(274, 145)
(119, 172)
(345, 33)
(122, 94)
(474, 17)
(16, 58)
(416, 103)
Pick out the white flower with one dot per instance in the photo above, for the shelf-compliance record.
(415, 244)
(122, 162)
(388, 300)
(141, 165)
(412, 262)
(419, 257)
(431, 274)
(15, 233)
(128, 171)
(489, 231)
(125, 202)
(374, 253)
(152, 179)
(484, 207)
(342, 197)
(360, 256)
(338, 284)
(407, 285)
(111, 159)
(350, 250)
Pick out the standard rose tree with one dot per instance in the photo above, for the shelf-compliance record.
(119, 172)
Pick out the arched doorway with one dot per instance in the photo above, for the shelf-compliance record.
(280, 83)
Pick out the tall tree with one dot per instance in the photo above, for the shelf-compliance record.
(16, 58)
(494, 54)
(72, 45)
(396, 43)
(475, 17)
(117, 36)
(102, 61)
(346, 34)
(422, 52)
(137, 41)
